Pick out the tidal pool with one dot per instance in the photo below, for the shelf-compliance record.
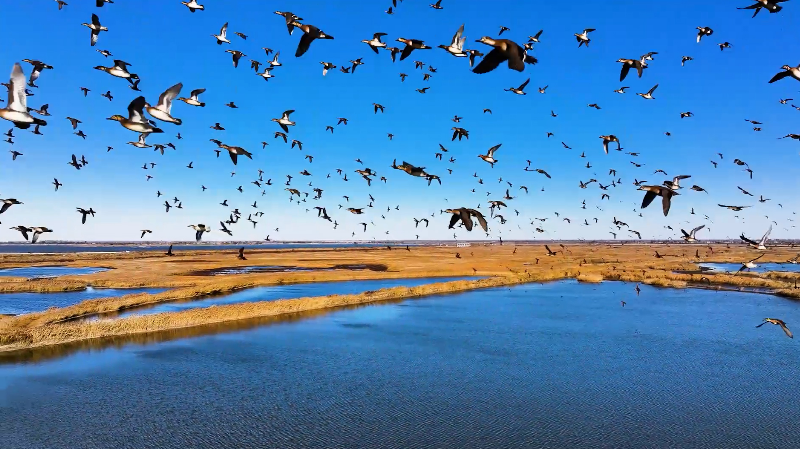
(287, 292)
(559, 365)
(46, 272)
(761, 268)
(18, 303)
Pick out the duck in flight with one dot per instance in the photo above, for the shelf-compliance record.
(96, 28)
(489, 156)
(504, 50)
(519, 90)
(163, 109)
(583, 38)
(136, 121)
(793, 72)
(770, 5)
(664, 192)
(778, 322)
(690, 236)
(16, 110)
(199, 230)
(759, 245)
(310, 32)
(456, 47)
(465, 216)
(649, 94)
(284, 121)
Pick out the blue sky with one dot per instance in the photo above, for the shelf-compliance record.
(165, 44)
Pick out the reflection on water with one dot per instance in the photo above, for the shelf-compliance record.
(560, 365)
(285, 292)
(17, 303)
(761, 268)
(46, 272)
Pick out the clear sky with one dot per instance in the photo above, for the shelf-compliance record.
(166, 44)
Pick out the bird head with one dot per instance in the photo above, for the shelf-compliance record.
(116, 117)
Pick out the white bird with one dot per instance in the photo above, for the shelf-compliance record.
(759, 245)
(456, 47)
(200, 228)
(193, 5)
(222, 36)
(690, 237)
(162, 110)
(16, 111)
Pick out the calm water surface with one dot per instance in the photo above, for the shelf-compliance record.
(761, 268)
(289, 292)
(45, 272)
(560, 365)
(17, 303)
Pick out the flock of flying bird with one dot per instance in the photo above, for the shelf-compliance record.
(146, 119)
(502, 50)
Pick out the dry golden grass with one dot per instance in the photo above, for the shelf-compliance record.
(505, 265)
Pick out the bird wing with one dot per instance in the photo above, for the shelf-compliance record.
(224, 30)
(457, 36)
(648, 198)
(653, 89)
(490, 61)
(197, 92)
(697, 229)
(753, 260)
(766, 235)
(233, 156)
(406, 51)
(135, 109)
(786, 330)
(481, 219)
(666, 202)
(17, 100)
(686, 234)
(522, 86)
(491, 151)
(624, 72)
(747, 240)
(465, 219)
(34, 238)
(453, 220)
(779, 76)
(165, 100)
(302, 47)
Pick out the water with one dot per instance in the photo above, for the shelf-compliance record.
(114, 248)
(761, 268)
(46, 272)
(18, 303)
(288, 292)
(561, 365)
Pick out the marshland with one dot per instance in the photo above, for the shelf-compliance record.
(183, 278)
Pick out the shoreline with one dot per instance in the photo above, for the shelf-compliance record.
(498, 265)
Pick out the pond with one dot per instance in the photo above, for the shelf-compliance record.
(18, 303)
(46, 272)
(547, 366)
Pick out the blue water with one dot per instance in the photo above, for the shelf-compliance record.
(17, 303)
(44, 272)
(289, 292)
(761, 268)
(561, 365)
